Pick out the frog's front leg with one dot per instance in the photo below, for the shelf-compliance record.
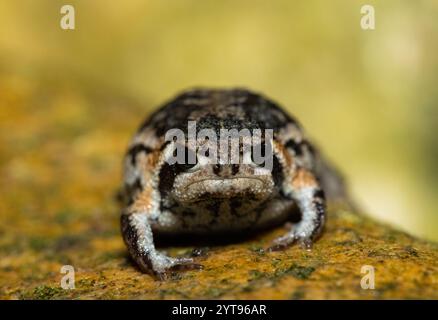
(137, 234)
(309, 196)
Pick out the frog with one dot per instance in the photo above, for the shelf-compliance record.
(216, 198)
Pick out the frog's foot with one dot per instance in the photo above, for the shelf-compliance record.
(289, 239)
(137, 234)
(162, 265)
(311, 202)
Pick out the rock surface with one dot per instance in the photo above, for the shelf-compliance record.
(60, 155)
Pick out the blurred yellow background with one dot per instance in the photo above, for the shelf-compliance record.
(368, 98)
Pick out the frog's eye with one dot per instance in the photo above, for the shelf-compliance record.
(190, 161)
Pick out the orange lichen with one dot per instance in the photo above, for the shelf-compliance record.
(58, 185)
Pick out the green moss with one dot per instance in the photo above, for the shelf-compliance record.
(44, 292)
(255, 274)
(68, 242)
(65, 216)
(300, 272)
(215, 292)
(39, 243)
(298, 294)
(85, 283)
(257, 249)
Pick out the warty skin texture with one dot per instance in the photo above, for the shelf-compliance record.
(211, 198)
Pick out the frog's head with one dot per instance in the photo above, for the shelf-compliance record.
(220, 173)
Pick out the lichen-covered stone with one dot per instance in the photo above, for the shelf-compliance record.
(404, 267)
(60, 156)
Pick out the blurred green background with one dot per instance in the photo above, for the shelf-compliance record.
(368, 98)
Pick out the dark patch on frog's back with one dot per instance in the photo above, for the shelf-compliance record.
(136, 149)
(267, 113)
(256, 112)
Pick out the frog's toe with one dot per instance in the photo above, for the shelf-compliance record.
(282, 243)
(306, 244)
(176, 264)
(289, 239)
(185, 264)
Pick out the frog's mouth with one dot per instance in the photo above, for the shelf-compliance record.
(251, 188)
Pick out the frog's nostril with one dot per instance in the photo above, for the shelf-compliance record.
(217, 169)
(234, 169)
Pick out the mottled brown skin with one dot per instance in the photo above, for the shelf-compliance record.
(221, 198)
